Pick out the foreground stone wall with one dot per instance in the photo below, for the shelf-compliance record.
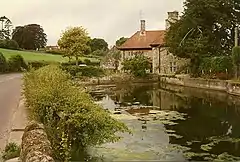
(212, 84)
(35, 144)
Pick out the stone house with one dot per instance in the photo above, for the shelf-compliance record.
(151, 44)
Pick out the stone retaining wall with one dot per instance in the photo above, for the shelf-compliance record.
(35, 144)
(212, 84)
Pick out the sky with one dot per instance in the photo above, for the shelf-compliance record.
(107, 19)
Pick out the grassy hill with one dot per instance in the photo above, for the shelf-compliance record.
(37, 56)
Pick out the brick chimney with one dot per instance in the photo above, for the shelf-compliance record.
(172, 18)
(143, 27)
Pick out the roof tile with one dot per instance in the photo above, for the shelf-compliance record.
(138, 41)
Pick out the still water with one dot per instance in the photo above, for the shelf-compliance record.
(171, 123)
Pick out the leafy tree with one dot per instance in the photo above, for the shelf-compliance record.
(30, 37)
(137, 65)
(6, 25)
(9, 44)
(205, 29)
(3, 63)
(74, 41)
(120, 41)
(236, 59)
(99, 53)
(98, 44)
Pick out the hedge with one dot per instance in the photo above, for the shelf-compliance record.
(88, 71)
(39, 64)
(71, 118)
(9, 44)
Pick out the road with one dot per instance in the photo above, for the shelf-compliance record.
(10, 92)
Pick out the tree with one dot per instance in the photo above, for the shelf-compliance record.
(74, 41)
(99, 52)
(205, 29)
(116, 55)
(236, 59)
(30, 37)
(6, 25)
(98, 44)
(120, 41)
(137, 65)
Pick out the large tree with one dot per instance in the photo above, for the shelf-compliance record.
(120, 41)
(98, 44)
(5, 29)
(30, 37)
(74, 42)
(206, 28)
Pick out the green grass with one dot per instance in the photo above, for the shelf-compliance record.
(38, 56)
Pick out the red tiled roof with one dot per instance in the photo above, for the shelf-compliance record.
(138, 41)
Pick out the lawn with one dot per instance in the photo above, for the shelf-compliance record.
(37, 56)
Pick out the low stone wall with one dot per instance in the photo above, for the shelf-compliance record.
(35, 144)
(119, 79)
(212, 84)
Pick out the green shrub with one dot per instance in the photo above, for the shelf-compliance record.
(54, 52)
(12, 150)
(39, 64)
(88, 71)
(137, 66)
(71, 118)
(82, 62)
(17, 64)
(217, 66)
(9, 44)
(87, 61)
(3, 64)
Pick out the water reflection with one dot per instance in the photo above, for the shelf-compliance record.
(211, 126)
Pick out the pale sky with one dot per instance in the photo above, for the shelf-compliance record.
(108, 19)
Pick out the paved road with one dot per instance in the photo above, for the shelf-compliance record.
(10, 92)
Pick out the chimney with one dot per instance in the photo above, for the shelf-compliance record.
(143, 27)
(172, 18)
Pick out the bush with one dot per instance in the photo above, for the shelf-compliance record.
(39, 64)
(99, 53)
(17, 64)
(3, 64)
(217, 66)
(54, 52)
(9, 44)
(88, 71)
(12, 150)
(137, 66)
(71, 119)
(82, 62)
(87, 61)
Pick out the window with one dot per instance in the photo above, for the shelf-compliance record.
(173, 67)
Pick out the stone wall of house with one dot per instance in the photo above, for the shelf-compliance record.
(163, 62)
(169, 63)
(130, 54)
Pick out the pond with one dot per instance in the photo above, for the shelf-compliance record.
(170, 123)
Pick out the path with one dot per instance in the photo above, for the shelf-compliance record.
(10, 92)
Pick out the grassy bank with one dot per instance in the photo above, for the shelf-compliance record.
(38, 56)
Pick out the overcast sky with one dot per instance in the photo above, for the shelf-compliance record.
(108, 19)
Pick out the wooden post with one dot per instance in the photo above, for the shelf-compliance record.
(236, 36)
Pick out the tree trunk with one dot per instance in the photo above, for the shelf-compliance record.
(76, 60)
